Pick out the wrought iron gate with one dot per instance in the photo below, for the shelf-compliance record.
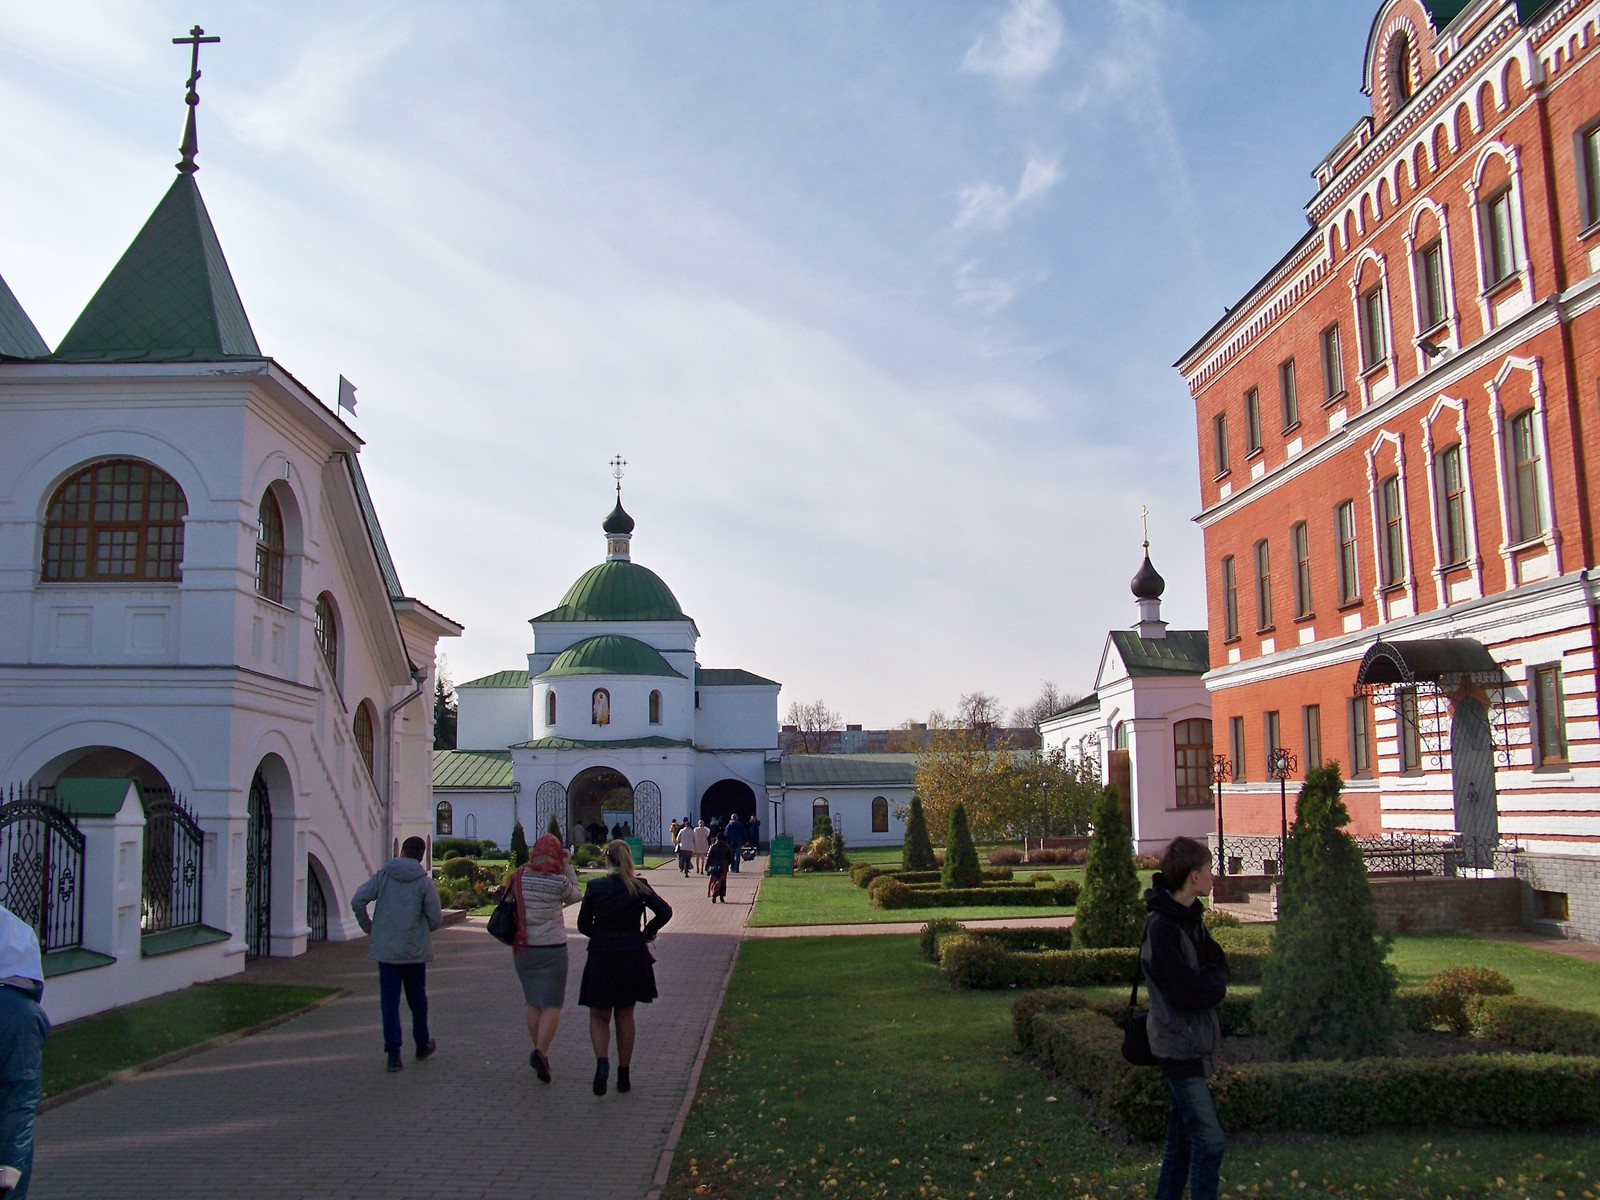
(41, 868)
(258, 871)
(647, 813)
(172, 867)
(316, 906)
(549, 801)
(1472, 780)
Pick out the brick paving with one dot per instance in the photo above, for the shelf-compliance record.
(305, 1109)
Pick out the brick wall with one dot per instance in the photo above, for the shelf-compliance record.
(1438, 905)
(1578, 878)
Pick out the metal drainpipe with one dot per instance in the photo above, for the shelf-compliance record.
(418, 677)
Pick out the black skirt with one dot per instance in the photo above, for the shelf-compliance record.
(617, 978)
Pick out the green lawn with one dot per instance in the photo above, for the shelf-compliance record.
(904, 1087)
(95, 1047)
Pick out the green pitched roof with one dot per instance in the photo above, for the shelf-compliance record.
(18, 337)
(561, 743)
(822, 770)
(500, 679)
(610, 654)
(170, 298)
(476, 769)
(1181, 652)
(617, 590)
(730, 677)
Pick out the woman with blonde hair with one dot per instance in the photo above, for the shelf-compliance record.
(543, 887)
(619, 971)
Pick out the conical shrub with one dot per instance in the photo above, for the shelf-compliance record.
(1110, 908)
(519, 845)
(917, 853)
(961, 868)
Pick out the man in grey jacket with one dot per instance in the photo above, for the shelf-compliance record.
(406, 910)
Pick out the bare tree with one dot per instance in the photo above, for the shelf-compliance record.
(980, 714)
(812, 724)
(1047, 703)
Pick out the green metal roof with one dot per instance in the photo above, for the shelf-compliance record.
(730, 677)
(1181, 652)
(93, 797)
(561, 743)
(824, 770)
(610, 654)
(500, 679)
(170, 298)
(617, 591)
(18, 337)
(475, 769)
(1086, 703)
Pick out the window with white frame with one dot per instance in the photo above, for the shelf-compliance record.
(1219, 442)
(1409, 733)
(1332, 364)
(1252, 421)
(1300, 542)
(1360, 738)
(1548, 718)
(1499, 247)
(1589, 175)
(1527, 507)
(1288, 395)
(1391, 520)
(1452, 505)
(1263, 586)
(1374, 341)
(1236, 747)
(1344, 519)
(1230, 599)
(1433, 305)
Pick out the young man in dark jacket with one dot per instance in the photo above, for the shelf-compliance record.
(1188, 977)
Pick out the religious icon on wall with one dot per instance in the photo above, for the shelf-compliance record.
(602, 707)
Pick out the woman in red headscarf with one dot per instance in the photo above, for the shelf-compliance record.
(543, 887)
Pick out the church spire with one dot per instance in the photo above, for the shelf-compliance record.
(191, 139)
(618, 525)
(1147, 586)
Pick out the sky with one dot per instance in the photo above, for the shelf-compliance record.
(878, 300)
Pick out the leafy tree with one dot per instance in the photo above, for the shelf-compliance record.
(959, 767)
(961, 869)
(812, 724)
(519, 845)
(1055, 793)
(1110, 910)
(444, 709)
(917, 853)
(1326, 989)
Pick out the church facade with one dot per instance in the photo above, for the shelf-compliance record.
(214, 692)
(613, 727)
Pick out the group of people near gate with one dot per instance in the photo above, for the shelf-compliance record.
(620, 914)
(713, 850)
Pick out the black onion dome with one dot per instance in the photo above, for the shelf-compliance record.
(1148, 584)
(619, 521)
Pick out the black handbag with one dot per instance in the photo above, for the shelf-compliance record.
(503, 920)
(1136, 1028)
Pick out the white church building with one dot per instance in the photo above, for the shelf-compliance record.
(613, 726)
(1147, 723)
(215, 695)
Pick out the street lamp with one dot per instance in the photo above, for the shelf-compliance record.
(1221, 769)
(1282, 765)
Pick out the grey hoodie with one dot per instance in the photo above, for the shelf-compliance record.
(407, 911)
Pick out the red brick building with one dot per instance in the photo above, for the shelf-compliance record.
(1397, 428)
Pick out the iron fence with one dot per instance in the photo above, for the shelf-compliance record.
(41, 866)
(1388, 854)
(173, 844)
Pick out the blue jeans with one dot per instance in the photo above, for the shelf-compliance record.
(1194, 1142)
(23, 1027)
(738, 849)
(413, 977)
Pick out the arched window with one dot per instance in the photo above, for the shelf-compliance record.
(269, 548)
(880, 815)
(444, 819)
(819, 814)
(114, 522)
(363, 731)
(1399, 63)
(1119, 736)
(600, 707)
(550, 707)
(472, 825)
(328, 633)
(655, 708)
(1191, 750)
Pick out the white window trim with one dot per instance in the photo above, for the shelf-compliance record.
(1452, 318)
(1519, 237)
(1408, 579)
(1551, 538)
(1436, 498)
(1366, 372)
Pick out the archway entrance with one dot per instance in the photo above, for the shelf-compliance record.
(258, 870)
(727, 798)
(601, 799)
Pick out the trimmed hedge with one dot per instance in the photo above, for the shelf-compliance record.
(936, 928)
(1082, 1044)
(1533, 1025)
(886, 892)
(862, 874)
(976, 960)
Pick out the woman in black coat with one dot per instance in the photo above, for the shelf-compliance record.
(618, 972)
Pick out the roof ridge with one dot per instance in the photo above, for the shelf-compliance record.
(19, 337)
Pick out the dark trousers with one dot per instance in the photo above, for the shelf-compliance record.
(1194, 1142)
(738, 849)
(23, 1027)
(413, 979)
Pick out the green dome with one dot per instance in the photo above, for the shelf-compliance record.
(617, 590)
(610, 654)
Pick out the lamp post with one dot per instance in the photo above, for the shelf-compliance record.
(1283, 766)
(1221, 769)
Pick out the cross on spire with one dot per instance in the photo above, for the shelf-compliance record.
(191, 140)
(617, 463)
(1144, 515)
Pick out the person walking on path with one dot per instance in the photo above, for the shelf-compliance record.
(752, 829)
(735, 834)
(1188, 977)
(702, 845)
(405, 912)
(543, 886)
(685, 847)
(717, 863)
(23, 1028)
(619, 971)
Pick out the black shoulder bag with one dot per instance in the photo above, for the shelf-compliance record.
(503, 920)
(1136, 1029)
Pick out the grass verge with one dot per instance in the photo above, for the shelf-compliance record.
(908, 1088)
(95, 1047)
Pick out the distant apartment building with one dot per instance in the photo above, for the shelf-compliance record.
(1397, 426)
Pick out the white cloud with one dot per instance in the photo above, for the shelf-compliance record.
(986, 293)
(991, 206)
(1023, 45)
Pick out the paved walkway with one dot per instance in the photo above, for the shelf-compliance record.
(305, 1109)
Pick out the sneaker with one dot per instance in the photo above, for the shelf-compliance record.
(394, 1062)
(423, 1051)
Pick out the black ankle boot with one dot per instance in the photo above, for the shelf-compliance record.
(623, 1083)
(602, 1070)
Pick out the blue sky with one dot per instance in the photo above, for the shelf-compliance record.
(879, 300)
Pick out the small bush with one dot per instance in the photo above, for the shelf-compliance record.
(932, 931)
(1243, 937)
(462, 847)
(1147, 862)
(459, 868)
(1016, 940)
(1044, 855)
(587, 855)
(1005, 856)
(1217, 918)
(889, 892)
(1041, 877)
(1531, 1025)
(1064, 968)
(1453, 985)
